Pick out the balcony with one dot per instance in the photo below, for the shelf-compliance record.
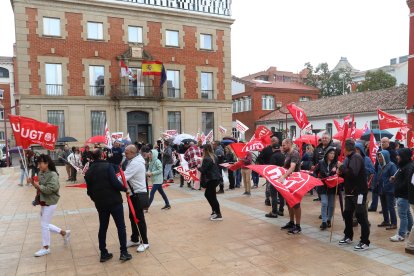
(131, 92)
(97, 90)
(54, 89)
(207, 94)
(173, 93)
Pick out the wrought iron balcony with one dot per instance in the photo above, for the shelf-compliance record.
(207, 94)
(173, 92)
(54, 89)
(131, 91)
(97, 90)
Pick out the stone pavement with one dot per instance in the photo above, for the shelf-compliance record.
(183, 241)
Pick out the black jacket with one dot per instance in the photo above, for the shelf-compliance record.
(319, 152)
(404, 173)
(209, 170)
(323, 170)
(103, 186)
(277, 158)
(264, 156)
(353, 172)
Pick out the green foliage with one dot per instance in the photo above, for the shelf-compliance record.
(376, 80)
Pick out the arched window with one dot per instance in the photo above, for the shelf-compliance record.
(4, 73)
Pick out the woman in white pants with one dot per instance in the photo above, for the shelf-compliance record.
(47, 197)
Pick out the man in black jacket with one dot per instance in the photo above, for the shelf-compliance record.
(264, 159)
(104, 189)
(356, 189)
(278, 159)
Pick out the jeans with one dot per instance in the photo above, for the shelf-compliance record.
(23, 175)
(117, 213)
(246, 173)
(46, 214)
(374, 202)
(406, 218)
(238, 177)
(210, 194)
(158, 187)
(255, 178)
(361, 214)
(141, 230)
(327, 206)
(168, 174)
(388, 208)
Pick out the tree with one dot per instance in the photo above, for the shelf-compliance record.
(376, 80)
(329, 83)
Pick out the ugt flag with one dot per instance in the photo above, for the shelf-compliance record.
(293, 188)
(386, 120)
(298, 115)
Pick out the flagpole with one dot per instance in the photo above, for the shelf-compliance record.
(333, 214)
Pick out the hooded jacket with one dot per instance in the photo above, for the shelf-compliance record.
(403, 176)
(369, 168)
(386, 169)
(323, 170)
(155, 168)
(353, 172)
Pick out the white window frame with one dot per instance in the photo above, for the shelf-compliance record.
(234, 107)
(49, 28)
(207, 85)
(203, 45)
(2, 114)
(304, 99)
(57, 117)
(92, 83)
(95, 30)
(169, 36)
(268, 102)
(2, 135)
(174, 124)
(131, 38)
(1, 94)
(54, 80)
(173, 84)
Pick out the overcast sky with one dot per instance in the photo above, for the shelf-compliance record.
(287, 34)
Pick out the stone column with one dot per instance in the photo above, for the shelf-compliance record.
(410, 97)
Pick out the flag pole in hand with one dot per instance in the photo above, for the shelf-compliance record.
(333, 214)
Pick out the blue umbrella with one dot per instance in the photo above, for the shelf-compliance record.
(378, 134)
(226, 142)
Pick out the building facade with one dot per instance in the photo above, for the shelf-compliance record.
(69, 56)
(259, 94)
(7, 100)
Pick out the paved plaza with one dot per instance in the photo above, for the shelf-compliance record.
(183, 241)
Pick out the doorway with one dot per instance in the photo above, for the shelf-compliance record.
(139, 128)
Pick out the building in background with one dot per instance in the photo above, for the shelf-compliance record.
(69, 55)
(7, 99)
(261, 93)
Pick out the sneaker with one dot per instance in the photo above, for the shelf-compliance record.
(166, 207)
(271, 215)
(345, 241)
(170, 181)
(372, 210)
(391, 227)
(323, 226)
(131, 244)
(317, 199)
(396, 238)
(66, 238)
(383, 224)
(42, 252)
(295, 230)
(125, 256)
(280, 213)
(267, 202)
(105, 257)
(142, 247)
(328, 223)
(288, 226)
(361, 246)
(246, 193)
(220, 192)
(21, 185)
(216, 217)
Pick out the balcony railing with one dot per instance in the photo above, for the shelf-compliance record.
(97, 90)
(173, 92)
(207, 94)
(54, 89)
(131, 91)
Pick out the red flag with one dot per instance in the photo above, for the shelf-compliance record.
(411, 142)
(338, 125)
(260, 140)
(187, 174)
(333, 181)
(28, 131)
(298, 115)
(236, 166)
(386, 120)
(402, 134)
(238, 149)
(294, 187)
(373, 148)
(344, 137)
(131, 206)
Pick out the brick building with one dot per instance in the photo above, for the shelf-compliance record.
(68, 65)
(7, 99)
(261, 93)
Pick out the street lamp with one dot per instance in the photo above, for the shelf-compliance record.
(279, 106)
(5, 131)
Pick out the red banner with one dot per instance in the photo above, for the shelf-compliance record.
(131, 206)
(337, 125)
(373, 148)
(333, 181)
(386, 120)
(298, 115)
(238, 150)
(402, 134)
(294, 187)
(187, 174)
(28, 131)
(236, 166)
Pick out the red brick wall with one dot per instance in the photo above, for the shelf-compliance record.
(76, 48)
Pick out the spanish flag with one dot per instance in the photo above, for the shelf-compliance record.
(151, 68)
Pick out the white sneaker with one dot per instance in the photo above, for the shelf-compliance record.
(66, 238)
(396, 238)
(142, 247)
(131, 244)
(42, 252)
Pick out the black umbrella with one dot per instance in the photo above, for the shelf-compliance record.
(378, 134)
(186, 141)
(66, 139)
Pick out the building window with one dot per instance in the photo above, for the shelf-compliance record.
(292, 131)
(96, 80)
(57, 118)
(2, 136)
(134, 34)
(374, 124)
(4, 73)
(174, 120)
(98, 120)
(247, 104)
(1, 93)
(136, 84)
(54, 85)
(171, 38)
(329, 128)
(51, 26)
(234, 106)
(235, 133)
(206, 42)
(206, 85)
(95, 30)
(1, 114)
(304, 99)
(173, 83)
(207, 121)
(239, 106)
(268, 102)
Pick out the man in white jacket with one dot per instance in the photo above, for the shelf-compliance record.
(135, 176)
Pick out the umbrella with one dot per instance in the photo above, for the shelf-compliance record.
(230, 138)
(185, 141)
(358, 133)
(307, 139)
(226, 142)
(66, 139)
(96, 140)
(180, 137)
(15, 149)
(378, 134)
